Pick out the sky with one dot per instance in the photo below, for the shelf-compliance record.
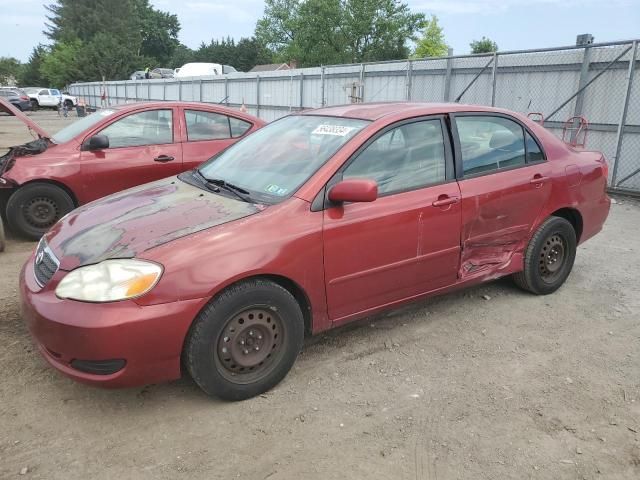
(513, 24)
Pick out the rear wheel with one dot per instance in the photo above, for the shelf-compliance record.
(34, 208)
(34, 105)
(549, 257)
(245, 341)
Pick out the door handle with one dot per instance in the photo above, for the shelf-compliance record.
(163, 158)
(538, 179)
(443, 201)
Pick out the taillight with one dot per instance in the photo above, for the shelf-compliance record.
(24, 97)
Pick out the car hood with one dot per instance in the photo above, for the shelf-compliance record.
(126, 224)
(6, 107)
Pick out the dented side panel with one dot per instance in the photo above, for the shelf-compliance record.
(499, 211)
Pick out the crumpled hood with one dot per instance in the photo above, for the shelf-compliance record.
(6, 107)
(126, 224)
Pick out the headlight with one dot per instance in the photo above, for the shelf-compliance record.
(110, 281)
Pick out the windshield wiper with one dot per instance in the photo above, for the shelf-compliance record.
(215, 184)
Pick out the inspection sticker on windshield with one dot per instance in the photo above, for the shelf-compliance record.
(276, 190)
(337, 130)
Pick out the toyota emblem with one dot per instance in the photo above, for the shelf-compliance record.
(39, 257)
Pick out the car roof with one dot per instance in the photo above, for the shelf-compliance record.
(196, 105)
(375, 111)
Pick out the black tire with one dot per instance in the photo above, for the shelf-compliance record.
(35, 105)
(68, 103)
(548, 258)
(228, 323)
(2, 242)
(34, 208)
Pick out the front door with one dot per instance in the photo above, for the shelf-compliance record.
(406, 242)
(505, 183)
(141, 149)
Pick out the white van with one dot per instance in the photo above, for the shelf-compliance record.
(198, 69)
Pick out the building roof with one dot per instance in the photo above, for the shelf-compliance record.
(270, 67)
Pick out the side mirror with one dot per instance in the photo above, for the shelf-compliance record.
(97, 142)
(354, 190)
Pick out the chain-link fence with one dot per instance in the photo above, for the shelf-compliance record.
(554, 84)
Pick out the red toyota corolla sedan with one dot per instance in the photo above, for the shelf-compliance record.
(311, 222)
(111, 150)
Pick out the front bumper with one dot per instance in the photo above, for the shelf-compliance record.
(71, 334)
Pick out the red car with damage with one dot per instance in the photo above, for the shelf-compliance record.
(311, 222)
(110, 150)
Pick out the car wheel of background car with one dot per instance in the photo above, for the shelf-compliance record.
(68, 103)
(34, 105)
(1, 236)
(245, 340)
(549, 257)
(36, 207)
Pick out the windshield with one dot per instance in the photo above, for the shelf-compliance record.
(77, 127)
(272, 163)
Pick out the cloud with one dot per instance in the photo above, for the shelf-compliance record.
(499, 6)
(243, 11)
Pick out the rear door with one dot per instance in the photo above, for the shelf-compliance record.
(141, 149)
(405, 243)
(207, 133)
(504, 181)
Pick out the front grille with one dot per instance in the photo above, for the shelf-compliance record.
(45, 265)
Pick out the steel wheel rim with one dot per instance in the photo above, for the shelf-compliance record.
(250, 345)
(41, 212)
(552, 258)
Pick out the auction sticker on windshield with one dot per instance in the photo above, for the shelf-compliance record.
(338, 130)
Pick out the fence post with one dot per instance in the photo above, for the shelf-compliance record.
(226, 90)
(301, 90)
(257, 95)
(494, 73)
(409, 78)
(322, 102)
(584, 76)
(623, 116)
(447, 78)
(148, 90)
(362, 72)
(180, 90)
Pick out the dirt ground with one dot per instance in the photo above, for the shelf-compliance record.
(487, 383)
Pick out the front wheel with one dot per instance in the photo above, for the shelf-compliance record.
(245, 341)
(549, 257)
(34, 208)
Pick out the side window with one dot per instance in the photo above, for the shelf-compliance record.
(407, 157)
(154, 127)
(489, 143)
(238, 127)
(43, 92)
(55, 92)
(534, 153)
(206, 125)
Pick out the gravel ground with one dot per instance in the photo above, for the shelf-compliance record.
(485, 383)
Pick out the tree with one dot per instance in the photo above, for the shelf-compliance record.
(159, 32)
(317, 32)
(60, 67)
(10, 70)
(31, 75)
(484, 45)
(432, 43)
(106, 38)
